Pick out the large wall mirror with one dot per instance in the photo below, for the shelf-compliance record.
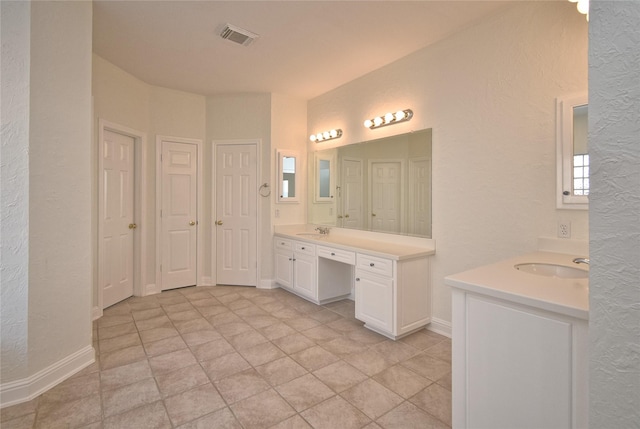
(572, 152)
(380, 185)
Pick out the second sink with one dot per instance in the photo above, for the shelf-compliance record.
(552, 270)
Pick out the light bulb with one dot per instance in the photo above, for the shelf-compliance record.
(319, 137)
(583, 6)
(573, 1)
(333, 134)
(388, 118)
(312, 137)
(399, 115)
(377, 121)
(326, 134)
(368, 123)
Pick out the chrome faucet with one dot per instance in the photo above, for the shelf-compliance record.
(323, 230)
(581, 261)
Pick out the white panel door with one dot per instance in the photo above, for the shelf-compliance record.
(178, 214)
(236, 214)
(117, 211)
(385, 188)
(352, 193)
(420, 197)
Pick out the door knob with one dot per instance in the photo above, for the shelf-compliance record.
(192, 223)
(218, 222)
(347, 216)
(132, 226)
(339, 216)
(373, 214)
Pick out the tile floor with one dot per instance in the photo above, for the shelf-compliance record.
(234, 357)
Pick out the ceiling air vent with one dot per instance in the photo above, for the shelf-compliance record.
(238, 35)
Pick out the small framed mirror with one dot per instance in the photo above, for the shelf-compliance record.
(287, 173)
(572, 152)
(324, 178)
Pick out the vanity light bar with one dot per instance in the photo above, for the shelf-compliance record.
(327, 135)
(389, 119)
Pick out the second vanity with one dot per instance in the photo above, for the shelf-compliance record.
(520, 336)
(389, 281)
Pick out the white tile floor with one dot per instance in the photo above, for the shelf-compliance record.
(234, 357)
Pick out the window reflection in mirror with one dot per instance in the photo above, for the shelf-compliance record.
(580, 151)
(572, 152)
(324, 168)
(287, 177)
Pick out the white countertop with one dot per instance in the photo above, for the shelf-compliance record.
(384, 249)
(502, 280)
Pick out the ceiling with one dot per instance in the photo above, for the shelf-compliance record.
(305, 48)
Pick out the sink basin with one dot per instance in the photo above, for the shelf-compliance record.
(552, 270)
(311, 234)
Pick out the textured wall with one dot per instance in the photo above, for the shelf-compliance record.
(60, 265)
(489, 94)
(14, 187)
(614, 285)
(288, 131)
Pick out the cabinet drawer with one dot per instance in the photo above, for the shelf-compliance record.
(306, 248)
(337, 255)
(373, 264)
(283, 243)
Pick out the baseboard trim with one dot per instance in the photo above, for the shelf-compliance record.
(440, 326)
(150, 289)
(26, 389)
(267, 284)
(206, 281)
(96, 313)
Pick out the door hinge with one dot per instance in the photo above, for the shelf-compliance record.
(160, 212)
(160, 267)
(160, 157)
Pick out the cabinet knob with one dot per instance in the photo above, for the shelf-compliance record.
(357, 279)
(333, 254)
(302, 248)
(371, 264)
(291, 259)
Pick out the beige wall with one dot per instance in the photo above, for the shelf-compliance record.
(53, 300)
(489, 94)
(123, 99)
(288, 131)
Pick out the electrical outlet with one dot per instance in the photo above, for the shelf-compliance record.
(564, 229)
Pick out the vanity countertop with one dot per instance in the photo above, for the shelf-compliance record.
(381, 248)
(568, 296)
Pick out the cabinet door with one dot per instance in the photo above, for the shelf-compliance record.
(374, 300)
(304, 273)
(284, 268)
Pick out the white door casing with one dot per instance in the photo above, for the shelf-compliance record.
(352, 204)
(121, 204)
(236, 213)
(179, 194)
(385, 195)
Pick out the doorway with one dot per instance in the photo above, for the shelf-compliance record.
(179, 204)
(121, 206)
(236, 212)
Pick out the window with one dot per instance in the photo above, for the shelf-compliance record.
(581, 174)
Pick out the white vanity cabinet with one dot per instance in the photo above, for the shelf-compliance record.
(390, 282)
(392, 296)
(519, 348)
(295, 264)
